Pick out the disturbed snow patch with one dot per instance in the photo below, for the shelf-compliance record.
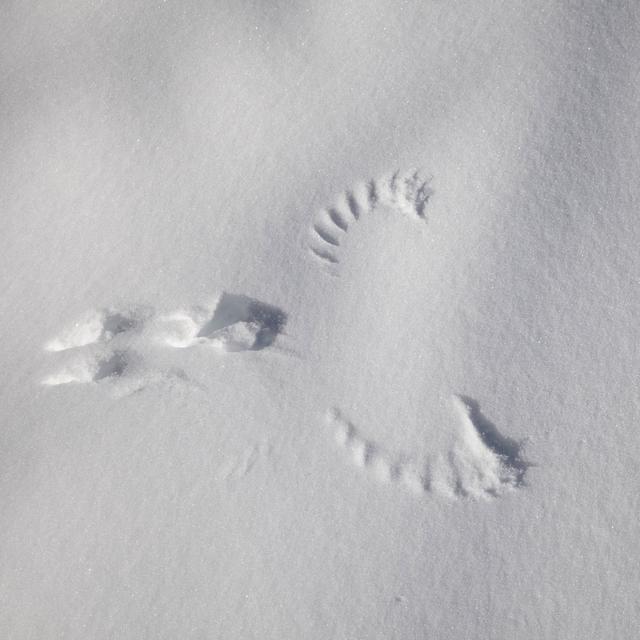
(480, 464)
(95, 326)
(117, 346)
(234, 323)
(91, 368)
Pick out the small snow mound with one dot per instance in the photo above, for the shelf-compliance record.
(233, 323)
(88, 369)
(98, 325)
(85, 331)
(178, 329)
(77, 372)
(485, 463)
(240, 336)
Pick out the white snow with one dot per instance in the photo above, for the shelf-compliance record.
(319, 319)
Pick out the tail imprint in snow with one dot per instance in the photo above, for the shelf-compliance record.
(404, 193)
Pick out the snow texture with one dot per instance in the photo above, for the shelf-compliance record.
(319, 319)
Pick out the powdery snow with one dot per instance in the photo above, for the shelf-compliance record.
(319, 320)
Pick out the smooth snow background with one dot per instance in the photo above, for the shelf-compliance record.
(157, 154)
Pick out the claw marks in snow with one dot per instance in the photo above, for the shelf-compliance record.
(406, 193)
(481, 464)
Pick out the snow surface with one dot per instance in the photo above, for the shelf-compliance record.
(319, 319)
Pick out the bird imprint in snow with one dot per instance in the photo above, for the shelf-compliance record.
(402, 193)
(481, 464)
